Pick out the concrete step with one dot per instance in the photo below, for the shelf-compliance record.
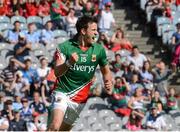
(123, 22)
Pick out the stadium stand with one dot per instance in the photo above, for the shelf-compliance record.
(132, 69)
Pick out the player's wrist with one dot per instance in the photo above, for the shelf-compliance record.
(68, 64)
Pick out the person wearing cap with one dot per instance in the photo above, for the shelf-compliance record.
(176, 35)
(106, 19)
(22, 48)
(155, 121)
(47, 36)
(20, 85)
(18, 123)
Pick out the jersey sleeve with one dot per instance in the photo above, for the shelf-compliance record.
(103, 58)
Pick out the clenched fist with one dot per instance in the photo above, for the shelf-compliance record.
(74, 58)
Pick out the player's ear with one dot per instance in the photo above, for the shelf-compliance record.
(83, 32)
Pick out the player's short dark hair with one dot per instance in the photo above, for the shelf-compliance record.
(84, 21)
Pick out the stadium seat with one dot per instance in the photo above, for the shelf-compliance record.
(88, 113)
(34, 19)
(3, 63)
(177, 120)
(59, 33)
(169, 121)
(173, 7)
(37, 46)
(176, 19)
(93, 120)
(98, 127)
(5, 26)
(18, 18)
(160, 22)
(4, 19)
(50, 46)
(110, 120)
(106, 113)
(46, 19)
(61, 40)
(124, 120)
(178, 8)
(37, 20)
(115, 127)
(2, 46)
(23, 26)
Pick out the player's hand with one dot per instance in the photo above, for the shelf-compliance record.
(74, 58)
(57, 55)
(108, 86)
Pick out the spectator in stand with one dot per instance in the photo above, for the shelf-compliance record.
(106, 19)
(7, 75)
(119, 41)
(2, 99)
(77, 8)
(104, 40)
(4, 123)
(32, 36)
(17, 104)
(28, 72)
(102, 3)
(26, 112)
(161, 74)
(118, 97)
(20, 85)
(129, 71)
(31, 8)
(172, 102)
(71, 20)
(146, 75)
(57, 10)
(17, 8)
(44, 8)
(22, 48)
(47, 36)
(13, 35)
(4, 9)
(136, 104)
(7, 112)
(155, 121)
(18, 123)
(134, 83)
(176, 35)
(88, 9)
(117, 66)
(43, 70)
(177, 2)
(38, 107)
(137, 58)
(157, 101)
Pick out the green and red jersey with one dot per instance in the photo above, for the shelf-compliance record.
(76, 82)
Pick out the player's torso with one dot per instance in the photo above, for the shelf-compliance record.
(80, 74)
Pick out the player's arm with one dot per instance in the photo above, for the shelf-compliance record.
(62, 65)
(107, 77)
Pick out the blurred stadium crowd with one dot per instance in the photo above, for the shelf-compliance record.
(29, 33)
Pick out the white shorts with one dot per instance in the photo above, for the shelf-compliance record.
(70, 108)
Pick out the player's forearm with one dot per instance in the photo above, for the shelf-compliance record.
(60, 70)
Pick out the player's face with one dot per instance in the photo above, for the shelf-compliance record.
(91, 33)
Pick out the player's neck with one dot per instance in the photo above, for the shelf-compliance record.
(83, 45)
